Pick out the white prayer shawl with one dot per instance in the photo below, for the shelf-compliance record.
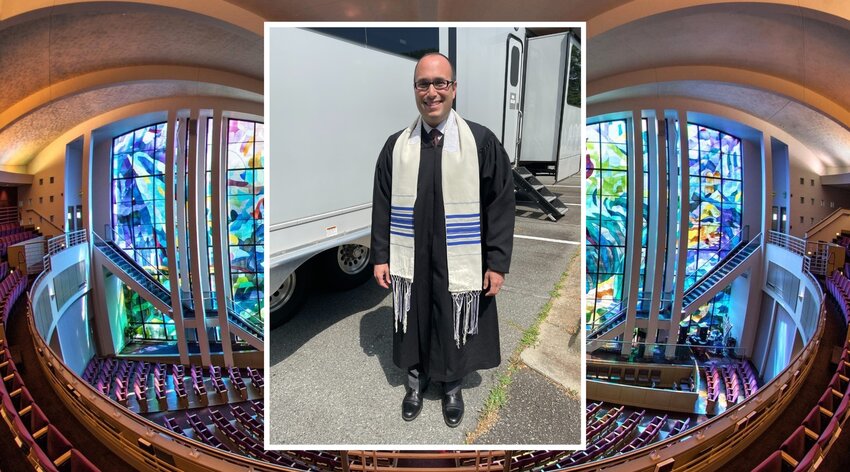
(460, 185)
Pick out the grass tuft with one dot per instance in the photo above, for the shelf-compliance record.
(498, 395)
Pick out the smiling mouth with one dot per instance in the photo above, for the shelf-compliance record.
(432, 105)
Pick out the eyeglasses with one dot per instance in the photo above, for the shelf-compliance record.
(439, 84)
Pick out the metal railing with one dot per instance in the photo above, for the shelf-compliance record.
(786, 241)
(731, 246)
(60, 243)
(153, 269)
(45, 219)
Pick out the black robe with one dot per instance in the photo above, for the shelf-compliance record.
(429, 340)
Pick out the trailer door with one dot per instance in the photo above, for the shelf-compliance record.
(513, 86)
(569, 152)
(545, 80)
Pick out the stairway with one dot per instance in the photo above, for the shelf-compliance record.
(525, 181)
(153, 291)
(607, 331)
(719, 274)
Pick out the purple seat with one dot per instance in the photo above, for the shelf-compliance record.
(798, 444)
(773, 463)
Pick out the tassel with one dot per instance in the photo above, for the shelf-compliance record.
(466, 304)
(401, 301)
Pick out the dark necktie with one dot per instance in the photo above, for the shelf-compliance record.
(435, 136)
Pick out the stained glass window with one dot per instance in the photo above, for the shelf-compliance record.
(138, 219)
(714, 161)
(245, 215)
(643, 305)
(607, 216)
(138, 197)
(712, 319)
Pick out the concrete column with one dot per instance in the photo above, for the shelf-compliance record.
(634, 227)
(180, 198)
(684, 192)
(197, 238)
(219, 230)
(171, 250)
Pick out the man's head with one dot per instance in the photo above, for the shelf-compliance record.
(433, 104)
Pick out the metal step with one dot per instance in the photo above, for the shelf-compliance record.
(526, 182)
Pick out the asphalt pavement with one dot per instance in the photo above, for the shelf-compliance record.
(332, 381)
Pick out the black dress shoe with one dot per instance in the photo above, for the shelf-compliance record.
(411, 405)
(453, 409)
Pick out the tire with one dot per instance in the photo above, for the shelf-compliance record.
(345, 267)
(285, 302)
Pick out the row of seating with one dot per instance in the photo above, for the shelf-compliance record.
(838, 285)
(607, 444)
(812, 440)
(10, 228)
(249, 443)
(14, 238)
(648, 435)
(546, 460)
(11, 289)
(732, 384)
(628, 375)
(43, 444)
(603, 424)
(115, 377)
(748, 376)
(712, 387)
(256, 378)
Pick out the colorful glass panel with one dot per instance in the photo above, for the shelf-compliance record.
(606, 172)
(245, 215)
(715, 199)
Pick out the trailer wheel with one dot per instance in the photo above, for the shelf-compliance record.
(288, 298)
(346, 267)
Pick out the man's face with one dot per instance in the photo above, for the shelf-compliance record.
(434, 105)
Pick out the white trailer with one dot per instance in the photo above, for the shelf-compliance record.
(335, 95)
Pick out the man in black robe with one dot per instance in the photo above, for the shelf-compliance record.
(427, 348)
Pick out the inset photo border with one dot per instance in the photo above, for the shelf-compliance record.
(359, 310)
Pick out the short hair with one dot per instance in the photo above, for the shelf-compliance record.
(434, 53)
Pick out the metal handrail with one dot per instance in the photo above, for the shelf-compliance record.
(46, 219)
(786, 241)
(66, 240)
(148, 266)
(737, 239)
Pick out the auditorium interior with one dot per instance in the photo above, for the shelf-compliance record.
(717, 290)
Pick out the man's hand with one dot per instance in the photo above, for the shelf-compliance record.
(382, 275)
(493, 282)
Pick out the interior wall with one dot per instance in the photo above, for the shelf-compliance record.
(781, 343)
(43, 203)
(75, 335)
(810, 201)
(73, 180)
(761, 344)
(753, 199)
(781, 178)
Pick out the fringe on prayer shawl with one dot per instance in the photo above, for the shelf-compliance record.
(466, 306)
(401, 300)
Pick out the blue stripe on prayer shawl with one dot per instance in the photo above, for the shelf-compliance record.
(401, 208)
(399, 225)
(461, 243)
(467, 215)
(463, 231)
(463, 223)
(463, 236)
(401, 234)
(399, 219)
